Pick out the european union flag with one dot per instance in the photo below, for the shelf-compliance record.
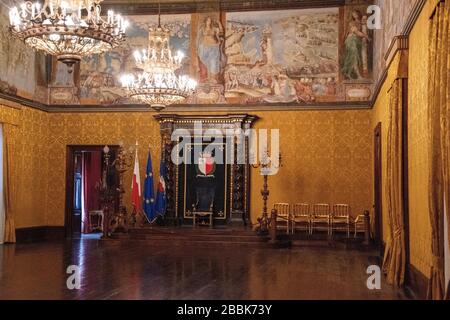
(149, 195)
(161, 199)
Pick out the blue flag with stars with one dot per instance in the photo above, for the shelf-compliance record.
(149, 195)
(161, 199)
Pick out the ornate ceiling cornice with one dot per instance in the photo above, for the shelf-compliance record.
(180, 6)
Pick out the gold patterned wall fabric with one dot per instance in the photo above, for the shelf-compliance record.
(439, 140)
(95, 129)
(31, 159)
(326, 157)
(419, 222)
(326, 154)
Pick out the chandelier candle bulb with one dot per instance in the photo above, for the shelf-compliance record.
(64, 8)
(85, 32)
(23, 8)
(156, 83)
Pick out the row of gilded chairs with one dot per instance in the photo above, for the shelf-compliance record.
(318, 217)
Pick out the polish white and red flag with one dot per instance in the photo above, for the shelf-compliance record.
(136, 185)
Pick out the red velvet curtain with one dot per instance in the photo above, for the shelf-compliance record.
(91, 176)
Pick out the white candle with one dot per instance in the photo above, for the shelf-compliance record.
(23, 8)
(125, 25)
(98, 14)
(11, 17)
(119, 18)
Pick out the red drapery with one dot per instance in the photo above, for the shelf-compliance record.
(91, 175)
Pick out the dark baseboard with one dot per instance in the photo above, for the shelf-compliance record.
(417, 283)
(36, 234)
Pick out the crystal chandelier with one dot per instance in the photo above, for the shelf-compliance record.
(67, 29)
(157, 83)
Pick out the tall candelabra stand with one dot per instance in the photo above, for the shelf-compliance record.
(115, 220)
(123, 162)
(106, 194)
(266, 166)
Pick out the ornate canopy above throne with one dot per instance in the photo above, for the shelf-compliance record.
(207, 173)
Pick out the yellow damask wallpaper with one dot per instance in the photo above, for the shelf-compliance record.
(420, 228)
(95, 129)
(31, 153)
(326, 159)
(326, 155)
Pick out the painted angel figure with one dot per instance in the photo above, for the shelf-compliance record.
(210, 43)
(355, 65)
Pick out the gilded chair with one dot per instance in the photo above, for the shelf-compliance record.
(341, 218)
(321, 218)
(96, 220)
(202, 209)
(301, 217)
(283, 215)
(359, 225)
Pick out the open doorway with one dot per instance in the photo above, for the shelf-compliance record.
(88, 172)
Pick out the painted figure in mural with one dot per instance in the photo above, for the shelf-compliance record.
(282, 90)
(210, 43)
(355, 65)
(63, 78)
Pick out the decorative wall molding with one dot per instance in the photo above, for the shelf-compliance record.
(211, 108)
(18, 102)
(397, 44)
(414, 14)
(400, 42)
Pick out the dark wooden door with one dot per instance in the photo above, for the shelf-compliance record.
(73, 210)
(378, 188)
(77, 190)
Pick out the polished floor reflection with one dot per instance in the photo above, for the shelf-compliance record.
(136, 271)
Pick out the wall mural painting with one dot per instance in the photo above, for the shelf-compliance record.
(100, 74)
(291, 56)
(63, 87)
(243, 58)
(394, 17)
(210, 59)
(356, 60)
(17, 70)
